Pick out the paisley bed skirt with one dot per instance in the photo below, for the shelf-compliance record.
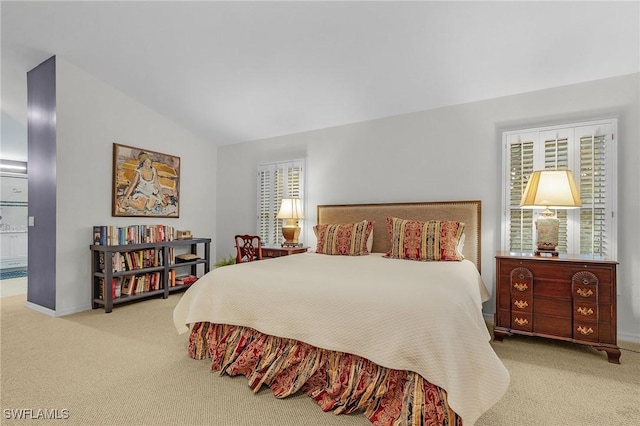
(337, 381)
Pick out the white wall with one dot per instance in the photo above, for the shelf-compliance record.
(13, 136)
(450, 153)
(91, 116)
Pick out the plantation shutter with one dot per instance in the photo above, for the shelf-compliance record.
(265, 216)
(556, 156)
(521, 236)
(587, 149)
(594, 194)
(275, 182)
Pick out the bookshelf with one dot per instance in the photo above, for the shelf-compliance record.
(142, 271)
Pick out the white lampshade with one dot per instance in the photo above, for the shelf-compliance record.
(551, 188)
(291, 208)
(555, 189)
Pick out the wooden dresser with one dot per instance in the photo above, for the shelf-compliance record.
(564, 298)
(278, 251)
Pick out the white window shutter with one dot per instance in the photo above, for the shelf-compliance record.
(520, 167)
(589, 151)
(557, 156)
(597, 190)
(275, 182)
(265, 215)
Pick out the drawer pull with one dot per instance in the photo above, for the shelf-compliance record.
(584, 330)
(584, 292)
(521, 304)
(585, 311)
(520, 286)
(522, 321)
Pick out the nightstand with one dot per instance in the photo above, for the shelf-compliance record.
(277, 251)
(569, 298)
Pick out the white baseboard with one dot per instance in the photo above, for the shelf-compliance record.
(57, 313)
(41, 309)
(628, 337)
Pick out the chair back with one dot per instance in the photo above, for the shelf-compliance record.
(248, 247)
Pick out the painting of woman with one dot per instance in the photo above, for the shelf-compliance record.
(146, 183)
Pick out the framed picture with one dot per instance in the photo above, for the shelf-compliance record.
(145, 183)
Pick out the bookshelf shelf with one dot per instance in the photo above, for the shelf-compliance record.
(147, 269)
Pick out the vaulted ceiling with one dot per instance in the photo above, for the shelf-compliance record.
(238, 71)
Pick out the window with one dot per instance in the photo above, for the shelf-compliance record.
(589, 151)
(275, 182)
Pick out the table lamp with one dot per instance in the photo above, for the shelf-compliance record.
(550, 189)
(290, 211)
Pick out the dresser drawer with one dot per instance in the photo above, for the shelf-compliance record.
(606, 314)
(585, 311)
(503, 318)
(551, 288)
(605, 334)
(521, 303)
(585, 331)
(504, 302)
(521, 321)
(269, 252)
(552, 326)
(553, 307)
(277, 251)
(555, 269)
(604, 275)
(587, 292)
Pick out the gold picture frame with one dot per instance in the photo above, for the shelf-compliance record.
(145, 183)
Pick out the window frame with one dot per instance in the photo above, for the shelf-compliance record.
(574, 132)
(275, 225)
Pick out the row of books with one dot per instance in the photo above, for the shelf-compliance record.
(136, 284)
(137, 259)
(132, 284)
(104, 235)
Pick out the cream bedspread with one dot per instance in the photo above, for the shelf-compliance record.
(424, 317)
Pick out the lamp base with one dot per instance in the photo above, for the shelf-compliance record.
(285, 244)
(547, 226)
(290, 234)
(552, 252)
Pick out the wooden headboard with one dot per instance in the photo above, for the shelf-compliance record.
(469, 212)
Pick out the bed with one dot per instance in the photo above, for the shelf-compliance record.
(402, 341)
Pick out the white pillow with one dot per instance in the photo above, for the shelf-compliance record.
(460, 245)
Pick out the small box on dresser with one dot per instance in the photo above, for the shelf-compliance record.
(569, 298)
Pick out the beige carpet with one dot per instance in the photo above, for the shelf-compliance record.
(130, 367)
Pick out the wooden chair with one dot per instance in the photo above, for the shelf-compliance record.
(248, 247)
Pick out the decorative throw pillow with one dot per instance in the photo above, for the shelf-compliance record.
(431, 240)
(347, 239)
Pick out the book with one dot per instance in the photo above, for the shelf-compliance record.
(128, 285)
(100, 235)
(140, 283)
(115, 289)
(185, 279)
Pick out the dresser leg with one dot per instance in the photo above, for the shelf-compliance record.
(613, 354)
(498, 336)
